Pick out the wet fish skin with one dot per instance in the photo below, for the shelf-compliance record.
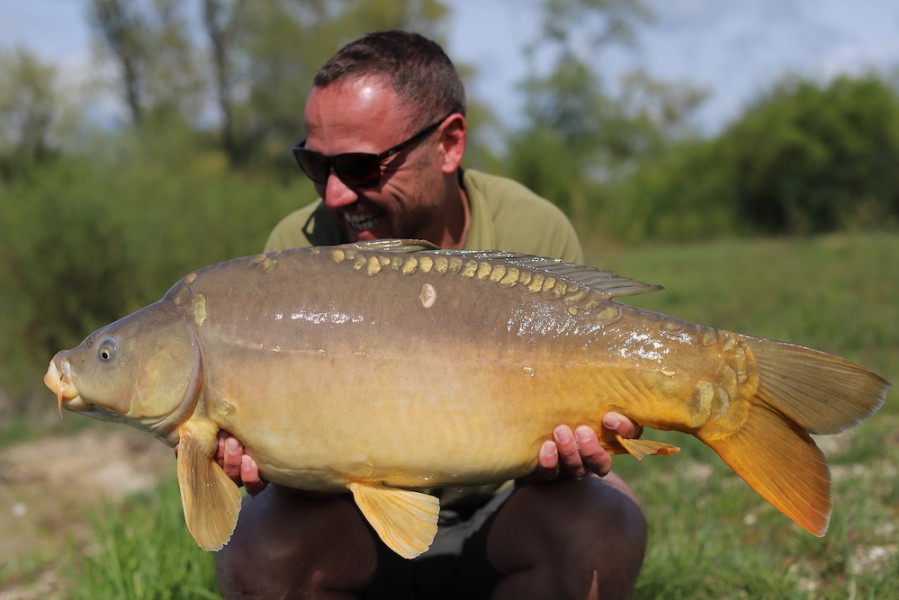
(372, 367)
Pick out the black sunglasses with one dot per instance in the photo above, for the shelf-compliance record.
(356, 169)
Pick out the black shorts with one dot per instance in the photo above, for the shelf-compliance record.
(455, 566)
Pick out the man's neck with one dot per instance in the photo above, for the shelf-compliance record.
(456, 235)
(457, 214)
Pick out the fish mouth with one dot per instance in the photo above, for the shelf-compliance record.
(59, 380)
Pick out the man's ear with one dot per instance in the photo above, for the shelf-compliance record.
(452, 140)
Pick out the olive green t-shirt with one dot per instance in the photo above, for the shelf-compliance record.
(505, 215)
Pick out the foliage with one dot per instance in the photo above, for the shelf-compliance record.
(806, 158)
(257, 60)
(682, 194)
(89, 239)
(578, 131)
(810, 158)
(31, 111)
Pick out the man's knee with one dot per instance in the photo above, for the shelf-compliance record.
(568, 537)
(289, 546)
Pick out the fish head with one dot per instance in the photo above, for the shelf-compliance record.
(143, 370)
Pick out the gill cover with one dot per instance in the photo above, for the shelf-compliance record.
(144, 370)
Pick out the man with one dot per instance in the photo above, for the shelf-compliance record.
(386, 133)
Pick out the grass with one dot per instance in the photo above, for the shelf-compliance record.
(711, 537)
(142, 551)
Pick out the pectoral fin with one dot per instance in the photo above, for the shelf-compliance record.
(640, 449)
(210, 499)
(405, 520)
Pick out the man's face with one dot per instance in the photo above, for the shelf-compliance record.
(364, 115)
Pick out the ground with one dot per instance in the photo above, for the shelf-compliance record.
(46, 486)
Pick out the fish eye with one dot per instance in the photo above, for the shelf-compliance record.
(106, 350)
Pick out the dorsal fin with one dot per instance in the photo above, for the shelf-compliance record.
(391, 245)
(597, 280)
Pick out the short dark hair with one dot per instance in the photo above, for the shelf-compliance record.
(417, 69)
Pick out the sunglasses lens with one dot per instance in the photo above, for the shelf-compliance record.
(313, 164)
(358, 168)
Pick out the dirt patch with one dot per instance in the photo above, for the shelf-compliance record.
(46, 486)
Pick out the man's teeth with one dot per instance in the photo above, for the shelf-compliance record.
(361, 222)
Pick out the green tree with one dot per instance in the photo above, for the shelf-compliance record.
(149, 42)
(222, 20)
(804, 158)
(122, 31)
(580, 132)
(811, 158)
(274, 50)
(684, 193)
(30, 111)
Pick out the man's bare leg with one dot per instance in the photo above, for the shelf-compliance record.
(580, 538)
(294, 545)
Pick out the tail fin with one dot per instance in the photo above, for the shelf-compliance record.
(820, 392)
(801, 391)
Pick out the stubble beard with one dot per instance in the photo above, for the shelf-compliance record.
(417, 218)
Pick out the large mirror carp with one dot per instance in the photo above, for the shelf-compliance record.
(374, 367)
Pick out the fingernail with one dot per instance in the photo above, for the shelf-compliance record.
(548, 449)
(611, 421)
(231, 446)
(563, 434)
(583, 433)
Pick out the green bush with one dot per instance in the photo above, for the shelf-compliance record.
(810, 159)
(89, 239)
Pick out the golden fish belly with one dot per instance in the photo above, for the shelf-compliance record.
(415, 420)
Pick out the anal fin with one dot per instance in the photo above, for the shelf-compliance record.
(405, 520)
(640, 449)
(211, 501)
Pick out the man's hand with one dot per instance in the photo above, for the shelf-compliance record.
(579, 452)
(240, 467)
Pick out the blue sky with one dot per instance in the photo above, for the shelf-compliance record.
(733, 48)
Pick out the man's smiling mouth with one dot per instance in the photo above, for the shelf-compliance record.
(362, 222)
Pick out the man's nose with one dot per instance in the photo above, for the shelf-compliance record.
(337, 193)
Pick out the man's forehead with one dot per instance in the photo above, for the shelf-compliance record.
(361, 109)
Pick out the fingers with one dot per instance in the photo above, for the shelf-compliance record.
(249, 474)
(548, 461)
(570, 462)
(579, 452)
(229, 454)
(239, 467)
(621, 425)
(592, 456)
(573, 454)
